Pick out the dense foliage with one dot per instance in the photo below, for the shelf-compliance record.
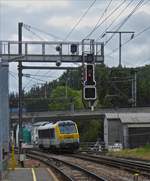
(65, 98)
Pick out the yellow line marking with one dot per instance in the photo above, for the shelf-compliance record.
(19, 168)
(51, 174)
(33, 174)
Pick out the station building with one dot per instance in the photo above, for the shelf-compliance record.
(130, 129)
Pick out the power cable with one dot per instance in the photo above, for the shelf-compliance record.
(32, 79)
(28, 29)
(112, 12)
(126, 19)
(137, 35)
(15, 74)
(42, 31)
(12, 75)
(114, 20)
(77, 23)
(99, 20)
(80, 19)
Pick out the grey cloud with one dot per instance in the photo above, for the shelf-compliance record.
(11, 15)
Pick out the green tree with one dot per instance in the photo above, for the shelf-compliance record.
(63, 97)
(90, 130)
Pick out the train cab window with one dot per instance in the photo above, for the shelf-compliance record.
(67, 128)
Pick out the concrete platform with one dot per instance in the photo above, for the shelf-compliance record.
(31, 174)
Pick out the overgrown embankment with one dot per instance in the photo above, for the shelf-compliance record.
(138, 153)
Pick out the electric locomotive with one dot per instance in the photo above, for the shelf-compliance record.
(62, 135)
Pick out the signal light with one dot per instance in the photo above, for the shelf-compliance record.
(58, 48)
(90, 80)
(90, 58)
(74, 48)
(89, 93)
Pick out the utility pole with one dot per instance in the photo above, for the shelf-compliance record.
(134, 89)
(20, 90)
(120, 44)
(66, 88)
(45, 91)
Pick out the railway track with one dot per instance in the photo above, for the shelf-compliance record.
(105, 170)
(67, 170)
(52, 166)
(142, 168)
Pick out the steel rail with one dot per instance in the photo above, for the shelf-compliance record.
(45, 161)
(48, 157)
(129, 165)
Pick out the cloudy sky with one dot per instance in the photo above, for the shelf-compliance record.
(58, 17)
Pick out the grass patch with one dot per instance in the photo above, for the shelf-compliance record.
(140, 153)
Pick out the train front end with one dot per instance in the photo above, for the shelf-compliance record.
(68, 135)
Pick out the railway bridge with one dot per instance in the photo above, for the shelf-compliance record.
(75, 115)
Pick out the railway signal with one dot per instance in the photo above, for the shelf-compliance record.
(90, 58)
(90, 75)
(89, 84)
(89, 93)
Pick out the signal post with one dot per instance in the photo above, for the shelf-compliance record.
(89, 83)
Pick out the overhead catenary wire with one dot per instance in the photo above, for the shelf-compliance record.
(77, 23)
(126, 42)
(112, 12)
(126, 19)
(12, 75)
(125, 8)
(41, 38)
(33, 79)
(80, 19)
(89, 34)
(42, 31)
(138, 34)
(28, 28)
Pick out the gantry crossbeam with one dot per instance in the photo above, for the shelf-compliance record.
(44, 51)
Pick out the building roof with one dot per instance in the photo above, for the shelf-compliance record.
(130, 117)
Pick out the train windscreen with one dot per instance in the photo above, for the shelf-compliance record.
(67, 128)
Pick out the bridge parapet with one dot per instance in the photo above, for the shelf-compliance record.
(83, 114)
